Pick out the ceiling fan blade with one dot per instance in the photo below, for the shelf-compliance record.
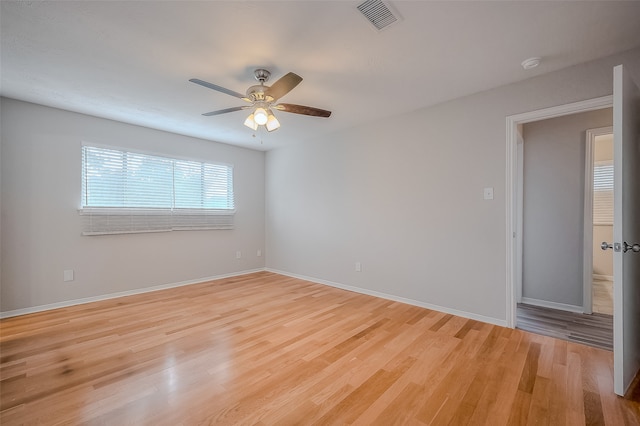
(301, 109)
(224, 111)
(283, 86)
(219, 88)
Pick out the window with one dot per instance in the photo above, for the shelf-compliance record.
(126, 192)
(603, 193)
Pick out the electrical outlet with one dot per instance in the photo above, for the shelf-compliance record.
(238, 254)
(259, 253)
(358, 267)
(67, 275)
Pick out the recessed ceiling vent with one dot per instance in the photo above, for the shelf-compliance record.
(379, 13)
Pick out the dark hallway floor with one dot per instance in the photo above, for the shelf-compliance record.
(593, 330)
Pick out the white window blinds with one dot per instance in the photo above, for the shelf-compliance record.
(127, 192)
(603, 193)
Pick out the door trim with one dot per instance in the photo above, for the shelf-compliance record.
(587, 256)
(513, 176)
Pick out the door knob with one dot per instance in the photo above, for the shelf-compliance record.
(633, 247)
(625, 247)
(615, 246)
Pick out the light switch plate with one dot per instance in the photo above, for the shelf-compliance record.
(488, 193)
(68, 275)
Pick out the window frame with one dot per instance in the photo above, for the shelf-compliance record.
(175, 218)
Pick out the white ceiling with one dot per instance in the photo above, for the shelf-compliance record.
(131, 60)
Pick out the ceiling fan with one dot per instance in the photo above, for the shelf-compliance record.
(263, 100)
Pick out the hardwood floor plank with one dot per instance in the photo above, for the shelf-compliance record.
(350, 408)
(539, 409)
(401, 409)
(530, 370)
(263, 349)
(442, 321)
(452, 385)
(575, 398)
(557, 393)
(593, 409)
(519, 413)
(464, 412)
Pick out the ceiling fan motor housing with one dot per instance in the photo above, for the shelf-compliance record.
(256, 93)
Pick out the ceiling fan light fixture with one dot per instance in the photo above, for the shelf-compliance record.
(250, 122)
(263, 99)
(260, 116)
(272, 123)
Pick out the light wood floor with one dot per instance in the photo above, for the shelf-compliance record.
(267, 349)
(602, 297)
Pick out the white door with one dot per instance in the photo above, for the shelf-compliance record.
(626, 230)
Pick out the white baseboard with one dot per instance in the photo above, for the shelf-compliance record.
(464, 314)
(67, 303)
(553, 305)
(600, 277)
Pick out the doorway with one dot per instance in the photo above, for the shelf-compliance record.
(598, 221)
(514, 194)
(556, 187)
(548, 237)
(553, 177)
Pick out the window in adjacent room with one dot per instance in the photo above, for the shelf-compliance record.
(603, 192)
(131, 192)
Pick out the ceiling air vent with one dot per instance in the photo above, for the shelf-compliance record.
(378, 13)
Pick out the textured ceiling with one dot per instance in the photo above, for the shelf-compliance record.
(131, 61)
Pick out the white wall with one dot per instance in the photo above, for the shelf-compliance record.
(553, 208)
(41, 228)
(404, 196)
